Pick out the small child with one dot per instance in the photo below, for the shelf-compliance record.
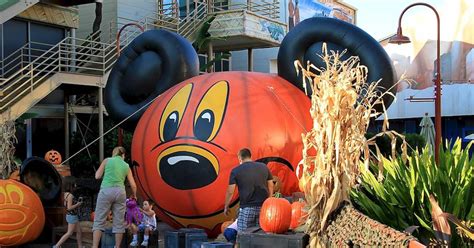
(148, 224)
(72, 219)
(230, 233)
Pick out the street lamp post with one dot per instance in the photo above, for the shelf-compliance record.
(400, 39)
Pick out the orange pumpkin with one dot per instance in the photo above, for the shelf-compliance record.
(275, 215)
(54, 157)
(21, 214)
(186, 143)
(225, 224)
(298, 214)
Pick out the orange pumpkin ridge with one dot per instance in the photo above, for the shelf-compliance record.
(275, 215)
(21, 213)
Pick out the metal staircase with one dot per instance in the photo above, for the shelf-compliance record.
(11, 8)
(26, 79)
(166, 18)
(63, 63)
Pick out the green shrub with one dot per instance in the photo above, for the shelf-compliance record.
(401, 198)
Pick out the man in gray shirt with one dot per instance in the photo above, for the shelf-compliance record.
(255, 184)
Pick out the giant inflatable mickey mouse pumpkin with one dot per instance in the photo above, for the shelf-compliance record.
(186, 141)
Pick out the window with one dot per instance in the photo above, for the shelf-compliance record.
(41, 37)
(221, 65)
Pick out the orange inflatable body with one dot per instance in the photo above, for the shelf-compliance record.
(186, 143)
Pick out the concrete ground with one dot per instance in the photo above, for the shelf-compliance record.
(162, 228)
(87, 237)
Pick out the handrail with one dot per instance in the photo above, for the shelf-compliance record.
(15, 59)
(76, 55)
(72, 55)
(191, 22)
(269, 9)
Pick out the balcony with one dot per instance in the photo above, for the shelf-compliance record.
(255, 24)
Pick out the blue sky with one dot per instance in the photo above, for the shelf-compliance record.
(379, 18)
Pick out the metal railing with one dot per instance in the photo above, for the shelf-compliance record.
(166, 17)
(33, 63)
(189, 24)
(266, 8)
(22, 57)
(89, 57)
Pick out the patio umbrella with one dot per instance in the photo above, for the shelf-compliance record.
(428, 131)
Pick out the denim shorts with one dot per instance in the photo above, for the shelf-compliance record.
(72, 219)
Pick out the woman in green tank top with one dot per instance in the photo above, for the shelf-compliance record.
(112, 195)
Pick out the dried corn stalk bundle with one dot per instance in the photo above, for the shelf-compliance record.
(7, 148)
(342, 104)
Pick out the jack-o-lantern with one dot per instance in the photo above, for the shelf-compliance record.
(21, 214)
(54, 157)
(186, 142)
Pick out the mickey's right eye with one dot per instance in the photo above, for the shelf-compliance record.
(173, 113)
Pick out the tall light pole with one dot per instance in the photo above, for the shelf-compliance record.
(400, 39)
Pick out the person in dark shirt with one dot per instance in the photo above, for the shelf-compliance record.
(255, 185)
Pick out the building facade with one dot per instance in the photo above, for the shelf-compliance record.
(291, 13)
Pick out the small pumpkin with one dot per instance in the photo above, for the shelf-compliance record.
(275, 215)
(226, 224)
(298, 214)
(54, 157)
(21, 213)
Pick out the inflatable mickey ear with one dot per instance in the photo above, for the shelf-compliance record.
(152, 63)
(304, 42)
(43, 178)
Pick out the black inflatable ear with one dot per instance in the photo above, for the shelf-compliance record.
(42, 177)
(152, 63)
(304, 42)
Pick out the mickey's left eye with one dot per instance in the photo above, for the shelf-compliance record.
(210, 112)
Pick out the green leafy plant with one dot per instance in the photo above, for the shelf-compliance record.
(402, 198)
(202, 39)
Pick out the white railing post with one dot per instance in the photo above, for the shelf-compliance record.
(59, 57)
(104, 55)
(31, 77)
(73, 50)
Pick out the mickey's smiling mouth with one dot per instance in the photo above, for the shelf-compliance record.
(187, 167)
